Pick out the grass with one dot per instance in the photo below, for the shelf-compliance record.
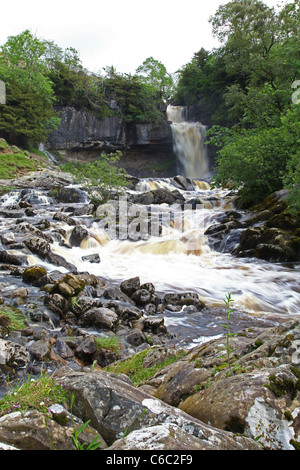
(15, 163)
(134, 367)
(12, 318)
(34, 394)
(108, 342)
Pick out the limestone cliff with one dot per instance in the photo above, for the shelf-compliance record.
(147, 148)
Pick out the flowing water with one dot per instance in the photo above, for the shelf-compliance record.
(179, 259)
(188, 143)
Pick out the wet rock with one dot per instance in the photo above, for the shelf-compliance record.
(101, 317)
(86, 349)
(63, 349)
(141, 297)
(8, 238)
(93, 258)
(38, 246)
(64, 218)
(13, 355)
(136, 337)
(70, 195)
(8, 258)
(155, 324)
(34, 274)
(104, 357)
(79, 233)
(58, 260)
(182, 299)
(129, 286)
(129, 314)
(40, 350)
(57, 303)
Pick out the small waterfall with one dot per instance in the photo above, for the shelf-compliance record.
(188, 143)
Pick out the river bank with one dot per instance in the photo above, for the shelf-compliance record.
(74, 282)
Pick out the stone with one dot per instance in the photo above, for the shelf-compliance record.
(129, 286)
(34, 273)
(32, 430)
(70, 194)
(93, 258)
(163, 437)
(40, 350)
(136, 337)
(78, 234)
(8, 258)
(13, 355)
(115, 407)
(38, 246)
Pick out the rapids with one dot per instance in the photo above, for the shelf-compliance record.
(179, 259)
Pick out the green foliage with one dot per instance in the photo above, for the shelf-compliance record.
(157, 77)
(243, 90)
(135, 369)
(12, 164)
(12, 318)
(34, 394)
(260, 161)
(103, 175)
(137, 101)
(93, 445)
(108, 342)
(28, 114)
(229, 311)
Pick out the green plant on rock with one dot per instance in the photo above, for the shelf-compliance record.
(12, 318)
(93, 445)
(103, 175)
(229, 311)
(34, 393)
(108, 342)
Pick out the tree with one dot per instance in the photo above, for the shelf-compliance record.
(157, 77)
(28, 114)
(258, 153)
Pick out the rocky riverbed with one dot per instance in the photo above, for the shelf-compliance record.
(209, 397)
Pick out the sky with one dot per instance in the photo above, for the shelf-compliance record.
(119, 33)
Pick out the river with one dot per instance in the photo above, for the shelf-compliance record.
(179, 259)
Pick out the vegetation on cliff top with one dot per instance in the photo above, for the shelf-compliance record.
(244, 90)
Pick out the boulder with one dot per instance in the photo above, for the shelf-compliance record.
(129, 286)
(69, 194)
(33, 430)
(163, 437)
(34, 274)
(78, 234)
(13, 355)
(115, 407)
(38, 246)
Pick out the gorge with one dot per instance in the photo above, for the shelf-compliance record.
(151, 268)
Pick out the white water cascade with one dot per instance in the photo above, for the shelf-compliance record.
(188, 143)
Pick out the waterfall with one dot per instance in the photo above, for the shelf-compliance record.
(188, 143)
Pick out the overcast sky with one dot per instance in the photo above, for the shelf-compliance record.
(122, 33)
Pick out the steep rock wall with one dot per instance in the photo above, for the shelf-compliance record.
(145, 146)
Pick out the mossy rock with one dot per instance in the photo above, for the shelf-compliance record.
(33, 273)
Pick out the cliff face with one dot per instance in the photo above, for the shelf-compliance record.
(83, 136)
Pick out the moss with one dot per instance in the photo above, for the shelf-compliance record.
(295, 444)
(284, 386)
(288, 415)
